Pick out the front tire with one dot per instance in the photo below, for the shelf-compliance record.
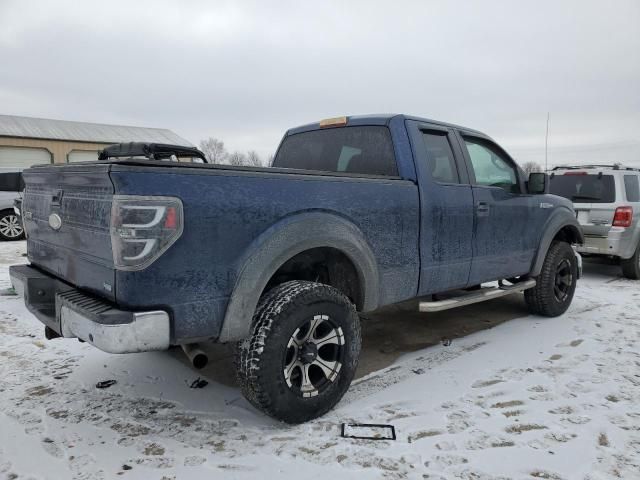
(631, 266)
(10, 226)
(302, 353)
(556, 283)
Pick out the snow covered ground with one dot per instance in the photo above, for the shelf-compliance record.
(527, 398)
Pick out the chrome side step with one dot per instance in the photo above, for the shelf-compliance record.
(476, 297)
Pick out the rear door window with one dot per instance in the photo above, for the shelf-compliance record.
(583, 188)
(632, 187)
(359, 150)
(442, 163)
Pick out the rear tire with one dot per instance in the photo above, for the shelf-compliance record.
(556, 283)
(302, 353)
(631, 266)
(10, 226)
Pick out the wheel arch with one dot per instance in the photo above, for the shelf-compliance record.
(282, 242)
(562, 225)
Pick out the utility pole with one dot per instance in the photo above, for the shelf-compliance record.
(546, 147)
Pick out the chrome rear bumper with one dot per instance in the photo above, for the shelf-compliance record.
(73, 314)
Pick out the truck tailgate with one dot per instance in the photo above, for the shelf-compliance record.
(66, 210)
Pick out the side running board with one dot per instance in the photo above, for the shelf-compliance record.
(476, 296)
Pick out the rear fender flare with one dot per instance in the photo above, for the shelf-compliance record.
(284, 240)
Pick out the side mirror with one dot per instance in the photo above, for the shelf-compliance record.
(538, 183)
(11, 182)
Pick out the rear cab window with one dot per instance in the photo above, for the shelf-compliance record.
(584, 188)
(360, 150)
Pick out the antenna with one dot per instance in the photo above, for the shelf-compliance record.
(546, 147)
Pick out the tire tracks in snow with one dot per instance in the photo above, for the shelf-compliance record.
(382, 379)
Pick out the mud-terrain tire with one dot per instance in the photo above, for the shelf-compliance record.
(631, 266)
(302, 353)
(10, 226)
(556, 283)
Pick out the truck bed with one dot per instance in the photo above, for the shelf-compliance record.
(227, 210)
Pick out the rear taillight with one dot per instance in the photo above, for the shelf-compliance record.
(143, 228)
(623, 217)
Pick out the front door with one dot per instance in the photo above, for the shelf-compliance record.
(504, 240)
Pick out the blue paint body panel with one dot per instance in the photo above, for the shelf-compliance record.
(224, 212)
(407, 235)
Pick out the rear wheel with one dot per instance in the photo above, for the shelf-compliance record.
(10, 226)
(631, 266)
(303, 351)
(556, 283)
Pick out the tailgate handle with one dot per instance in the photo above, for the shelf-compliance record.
(56, 198)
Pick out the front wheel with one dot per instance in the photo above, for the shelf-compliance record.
(302, 353)
(10, 226)
(556, 283)
(631, 266)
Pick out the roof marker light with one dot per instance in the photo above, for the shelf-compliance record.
(333, 122)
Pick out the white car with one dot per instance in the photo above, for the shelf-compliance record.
(606, 199)
(10, 222)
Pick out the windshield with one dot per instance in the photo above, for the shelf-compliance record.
(581, 188)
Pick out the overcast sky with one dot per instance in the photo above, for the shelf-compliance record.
(246, 71)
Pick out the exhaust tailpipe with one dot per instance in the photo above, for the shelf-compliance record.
(196, 356)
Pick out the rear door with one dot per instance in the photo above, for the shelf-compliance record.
(446, 209)
(507, 220)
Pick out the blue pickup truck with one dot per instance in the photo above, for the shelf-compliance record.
(139, 252)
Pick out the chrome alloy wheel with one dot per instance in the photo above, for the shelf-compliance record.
(10, 226)
(313, 357)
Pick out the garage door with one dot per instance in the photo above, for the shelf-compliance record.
(21, 157)
(82, 156)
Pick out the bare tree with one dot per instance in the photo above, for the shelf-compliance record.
(530, 167)
(237, 158)
(214, 150)
(270, 160)
(253, 159)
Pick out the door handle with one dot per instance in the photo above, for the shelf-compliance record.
(482, 209)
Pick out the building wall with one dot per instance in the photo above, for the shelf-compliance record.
(58, 148)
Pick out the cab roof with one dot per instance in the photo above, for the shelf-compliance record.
(381, 119)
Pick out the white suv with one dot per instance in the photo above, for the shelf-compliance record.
(606, 199)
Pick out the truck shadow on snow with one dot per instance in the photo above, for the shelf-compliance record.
(391, 332)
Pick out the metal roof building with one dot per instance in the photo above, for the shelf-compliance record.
(26, 141)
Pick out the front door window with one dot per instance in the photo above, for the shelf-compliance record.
(490, 167)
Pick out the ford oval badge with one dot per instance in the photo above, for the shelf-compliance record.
(55, 221)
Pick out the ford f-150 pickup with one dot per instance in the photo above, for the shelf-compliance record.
(139, 252)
